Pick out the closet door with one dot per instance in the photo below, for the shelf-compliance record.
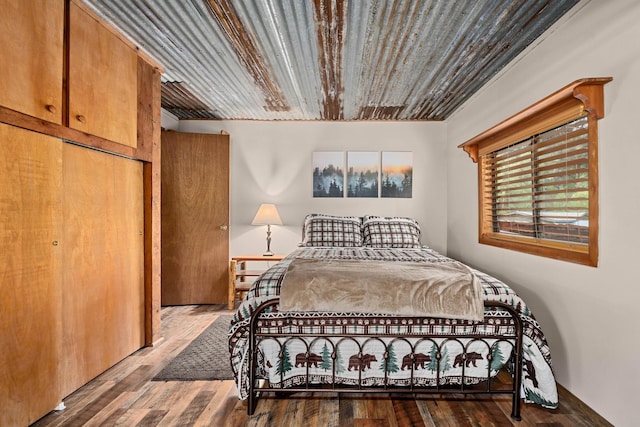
(195, 218)
(30, 227)
(103, 288)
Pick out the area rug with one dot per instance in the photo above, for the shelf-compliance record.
(206, 358)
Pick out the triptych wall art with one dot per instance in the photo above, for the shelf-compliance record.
(367, 174)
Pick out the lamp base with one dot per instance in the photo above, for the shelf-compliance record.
(268, 252)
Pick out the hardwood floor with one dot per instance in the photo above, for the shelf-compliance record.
(126, 396)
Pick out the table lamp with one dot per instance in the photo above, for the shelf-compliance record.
(267, 215)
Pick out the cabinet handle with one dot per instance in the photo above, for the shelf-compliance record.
(51, 108)
(81, 118)
(54, 243)
(223, 227)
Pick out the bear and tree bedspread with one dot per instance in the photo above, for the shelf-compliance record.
(362, 360)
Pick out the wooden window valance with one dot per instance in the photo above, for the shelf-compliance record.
(568, 103)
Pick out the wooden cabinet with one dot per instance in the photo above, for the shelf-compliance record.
(102, 80)
(102, 70)
(31, 57)
(79, 228)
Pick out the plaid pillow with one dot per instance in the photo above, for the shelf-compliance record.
(328, 230)
(391, 232)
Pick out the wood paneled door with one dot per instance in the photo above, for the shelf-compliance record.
(103, 278)
(30, 271)
(195, 218)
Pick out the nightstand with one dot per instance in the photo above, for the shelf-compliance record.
(238, 273)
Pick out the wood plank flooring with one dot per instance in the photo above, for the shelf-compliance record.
(125, 396)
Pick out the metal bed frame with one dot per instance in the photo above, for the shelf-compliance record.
(260, 329)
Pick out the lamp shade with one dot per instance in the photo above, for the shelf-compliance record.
(267, 215)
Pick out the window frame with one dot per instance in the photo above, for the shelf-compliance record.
(584, 97)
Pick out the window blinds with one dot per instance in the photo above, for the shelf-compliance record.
(539, 187)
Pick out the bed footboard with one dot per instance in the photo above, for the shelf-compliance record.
(503, 329)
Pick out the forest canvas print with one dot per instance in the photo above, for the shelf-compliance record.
(397, 174)
(363, 173)
(328, 174)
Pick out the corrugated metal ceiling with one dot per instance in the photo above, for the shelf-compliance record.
(327, 59)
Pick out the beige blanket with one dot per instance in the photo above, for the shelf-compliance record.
(441, 289)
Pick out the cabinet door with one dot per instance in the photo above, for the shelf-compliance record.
(31, 40)
(195, 218)
(30, 226)
(102, 81)
(103, 287)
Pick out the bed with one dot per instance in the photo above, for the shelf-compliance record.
(280, 341)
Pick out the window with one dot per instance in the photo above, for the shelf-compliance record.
(538, 176)
(539, 187)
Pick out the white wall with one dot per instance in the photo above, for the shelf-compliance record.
(271, 163)
(588, 314)
(168, 120)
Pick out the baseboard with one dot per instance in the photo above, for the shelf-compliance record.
(595, 418)
(156, 342)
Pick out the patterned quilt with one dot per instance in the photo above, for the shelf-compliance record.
(286, 365)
